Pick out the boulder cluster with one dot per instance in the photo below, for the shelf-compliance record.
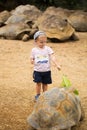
(58, 23)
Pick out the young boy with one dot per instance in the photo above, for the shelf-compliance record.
(41, 57)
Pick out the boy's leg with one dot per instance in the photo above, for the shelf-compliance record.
(38, 88)
(44, 87)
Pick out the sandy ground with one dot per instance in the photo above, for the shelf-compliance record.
(17, 89)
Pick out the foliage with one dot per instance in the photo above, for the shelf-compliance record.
(43, 4)
(66, 83)
(70, 4)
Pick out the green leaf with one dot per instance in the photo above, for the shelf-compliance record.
(65, 82)
(76, 92)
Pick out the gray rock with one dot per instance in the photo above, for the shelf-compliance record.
(56, 27)
(4, 15)
(20, 31)
(56, 109)
(78, 20)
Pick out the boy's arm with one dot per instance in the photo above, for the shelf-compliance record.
(32, 60)
(54, 60)
(32, 57)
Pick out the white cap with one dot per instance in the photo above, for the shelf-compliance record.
(38, 33)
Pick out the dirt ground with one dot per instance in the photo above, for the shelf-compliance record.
(17, 89)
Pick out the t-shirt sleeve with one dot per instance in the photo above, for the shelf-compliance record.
(50, 51)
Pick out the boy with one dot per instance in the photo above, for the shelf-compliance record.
(41, 57)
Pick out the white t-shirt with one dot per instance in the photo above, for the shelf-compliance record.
(41, 58)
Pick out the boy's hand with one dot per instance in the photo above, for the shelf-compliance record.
(59, 67)
(32, 61)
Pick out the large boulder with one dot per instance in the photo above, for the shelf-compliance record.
(64, 13)
(56, 27)
(78, 20)
(29, 10)
(56, 109)
(4, 15)
(20, 31)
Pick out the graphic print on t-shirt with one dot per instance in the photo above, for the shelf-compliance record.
(41, 59)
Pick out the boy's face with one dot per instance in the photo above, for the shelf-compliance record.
(41, 41)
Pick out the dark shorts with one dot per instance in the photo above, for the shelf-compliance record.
(42, 77)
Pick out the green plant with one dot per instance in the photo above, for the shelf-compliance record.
(66, 83)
